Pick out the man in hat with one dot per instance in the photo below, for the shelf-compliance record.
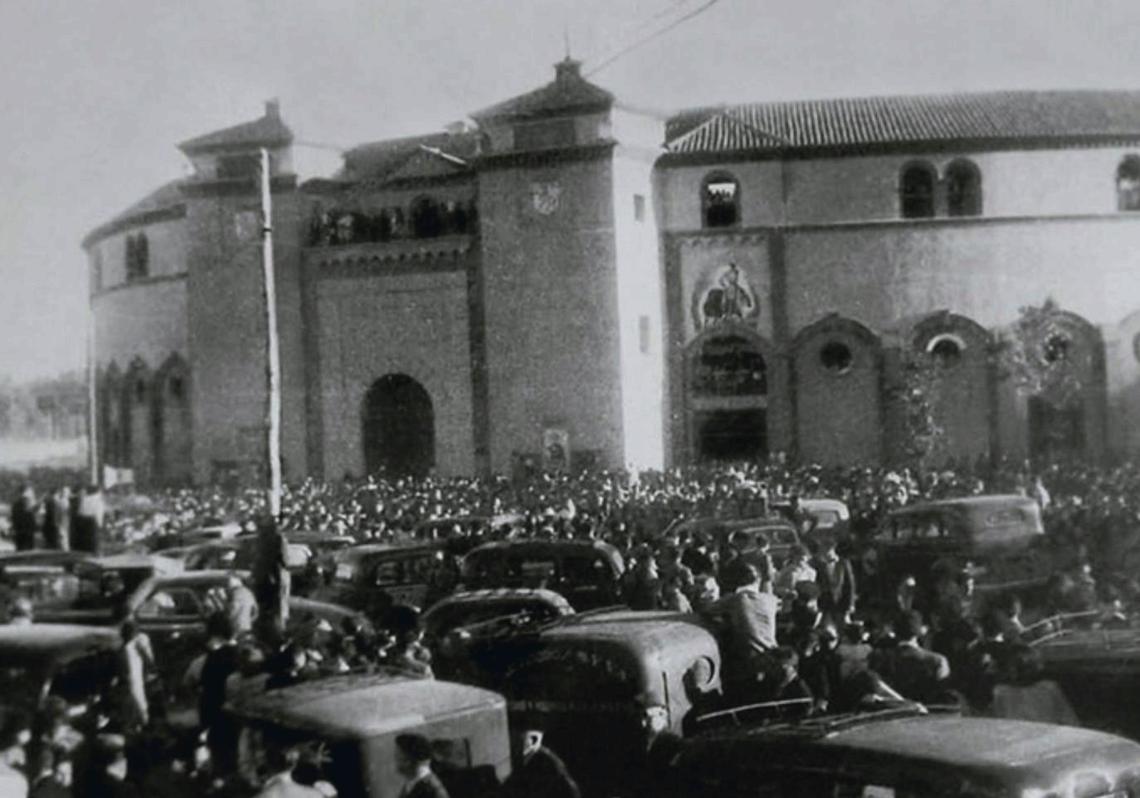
(914, 671)
(836, 580)
(413, 761)
(540, 771)
(24, 519)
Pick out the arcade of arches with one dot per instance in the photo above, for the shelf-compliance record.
(145, 422)
(834, 396)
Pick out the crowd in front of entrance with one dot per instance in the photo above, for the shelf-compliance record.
(801, 630)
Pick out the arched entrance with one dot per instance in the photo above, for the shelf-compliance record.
(728, 397)
(399, 427)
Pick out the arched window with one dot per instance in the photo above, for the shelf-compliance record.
(130, 258)
(138, 254)
(729, 365)
(97, 269)
(916, 191)
(427, 221)
(946, 349)
(963, 189)
(720, 200)
(1128, 184)
(142, 256)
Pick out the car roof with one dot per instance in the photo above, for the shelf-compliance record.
(982, 502)
(361, 706)
(369, 549)
(992, 746)
(135, 560)
(551, 546)
(43, 557)
(47, 644)
(505, 595)
(650, 628)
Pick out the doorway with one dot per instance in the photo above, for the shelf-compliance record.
(732, 435)
(399, 427)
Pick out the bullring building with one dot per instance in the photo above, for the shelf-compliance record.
(570, 279)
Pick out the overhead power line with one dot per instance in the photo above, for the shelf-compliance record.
(654, 35)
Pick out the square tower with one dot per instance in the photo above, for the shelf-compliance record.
(571, 282)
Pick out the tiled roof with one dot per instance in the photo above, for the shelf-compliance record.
(856, 122)
(268, 131)
(381, 159)
(569, 91)
(167, 197)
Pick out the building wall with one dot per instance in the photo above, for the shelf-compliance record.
(379, 317)
(552, 322)
(640, 309)
(860, 189)
(146, 320)
(838, 411)
(879, 273)
(227, 334)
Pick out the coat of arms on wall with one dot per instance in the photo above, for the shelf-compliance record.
(546, 197)
(724, 295)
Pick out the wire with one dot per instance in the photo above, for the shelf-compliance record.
(631, 47)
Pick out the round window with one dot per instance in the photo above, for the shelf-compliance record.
(836, 356)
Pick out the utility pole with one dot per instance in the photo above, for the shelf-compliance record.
(273, 360)
(93, 432)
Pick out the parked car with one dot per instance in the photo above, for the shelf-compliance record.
(375, 576)
(464, 532)
(588, 675)
(1000, 537)
(309, 556)
(1098, 669)
(518, 606)
(346, 728)
(38, 660)
(781, 533)
(587, 573)
(905, 752)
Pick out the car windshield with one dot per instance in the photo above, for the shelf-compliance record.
(337, 763)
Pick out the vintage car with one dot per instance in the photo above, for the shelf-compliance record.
(476, 606)
(472, 529)
(817, 514)
(587, 676)
(38, 660)
(345, 729)
(1000, 538)
(780, 532)
(905, 752)
(309, 556)
(587, 573)
(375, 576)
(1097, 667)
(81, 589)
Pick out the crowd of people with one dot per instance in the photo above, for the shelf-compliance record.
(808, 630)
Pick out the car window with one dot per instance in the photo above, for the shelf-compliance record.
(585, 570)
(172, 602)
(404, 571)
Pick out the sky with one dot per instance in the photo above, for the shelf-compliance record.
(98, 94)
